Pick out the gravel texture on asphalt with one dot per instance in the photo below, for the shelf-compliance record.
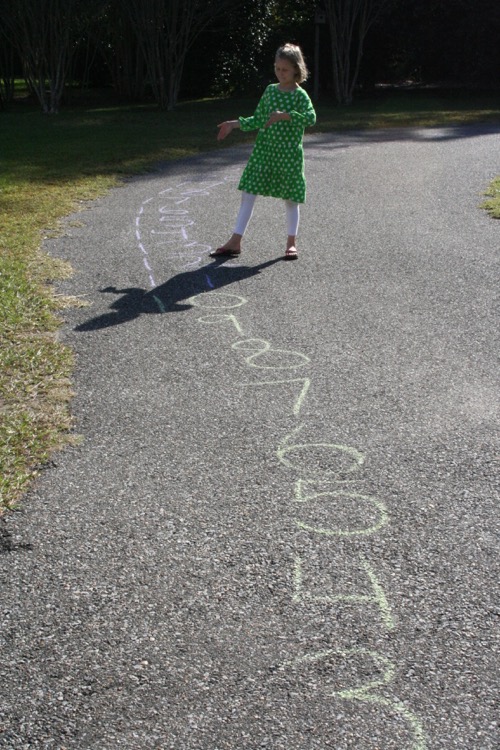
(280, 529)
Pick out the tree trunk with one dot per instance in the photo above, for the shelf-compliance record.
(165, 31)
(42, 32)
(6, 71)
(349, 22)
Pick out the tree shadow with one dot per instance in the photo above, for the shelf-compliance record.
(422, 133)
(173, 295)
(6, 543)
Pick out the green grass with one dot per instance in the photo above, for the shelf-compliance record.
(48, 165)
(412, 109)
(492, 205)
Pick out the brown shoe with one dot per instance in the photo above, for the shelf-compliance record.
(224, 251)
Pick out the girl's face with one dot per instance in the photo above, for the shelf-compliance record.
(285, 72)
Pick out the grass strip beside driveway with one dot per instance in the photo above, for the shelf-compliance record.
(492, 204)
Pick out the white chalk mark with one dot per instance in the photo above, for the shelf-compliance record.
(342, 459)
(174, 222)
(217, 318)
(232, 300)
(301, 397)
(169, 211)
(378, 597)
(339, 453)
(261, 347)
(382, 663)
(337, 496)
(159, 303)
(365, 692)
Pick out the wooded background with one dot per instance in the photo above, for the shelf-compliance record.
(167, 50)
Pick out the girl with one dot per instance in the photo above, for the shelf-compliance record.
(276, 165)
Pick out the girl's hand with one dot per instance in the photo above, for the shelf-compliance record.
(276, 117)
(225, 128)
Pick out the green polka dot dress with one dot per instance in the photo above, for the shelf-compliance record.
(276, 165)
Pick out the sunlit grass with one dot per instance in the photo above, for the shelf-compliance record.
(492, 205)
(412, 109)
(48, 165)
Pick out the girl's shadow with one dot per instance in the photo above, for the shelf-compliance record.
(172, 295)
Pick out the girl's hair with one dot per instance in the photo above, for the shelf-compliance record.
(293, 54)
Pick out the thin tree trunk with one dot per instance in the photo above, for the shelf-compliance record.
(349, 22)
(166, 30)
(42, 30)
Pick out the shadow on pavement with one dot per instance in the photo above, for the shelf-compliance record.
(342, 138)
(6, 543)
(172, 295)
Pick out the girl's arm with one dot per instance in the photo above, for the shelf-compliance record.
(276, 116)
(260, 116)
(305, 114)
(226, 127)
(256, 121)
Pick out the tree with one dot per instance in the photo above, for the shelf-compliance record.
(7, 65)
(349, 22)
(166, 30)
(243, 33)
(458, 40)
(116, 39)
(43, 32)
(434, 41)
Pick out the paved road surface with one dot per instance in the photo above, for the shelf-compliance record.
(281, 528)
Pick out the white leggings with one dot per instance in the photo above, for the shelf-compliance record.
(246, 211)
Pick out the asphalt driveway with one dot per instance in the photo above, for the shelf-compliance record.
(280, 529)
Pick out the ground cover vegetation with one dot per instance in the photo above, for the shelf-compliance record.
(492, 204)
(114, 120)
